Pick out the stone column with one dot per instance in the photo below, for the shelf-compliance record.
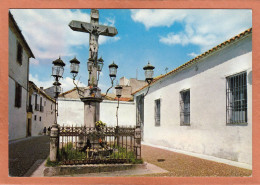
(54, 143)
(92, 98)
(138, 142)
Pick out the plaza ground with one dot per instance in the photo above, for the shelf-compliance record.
(27, 154)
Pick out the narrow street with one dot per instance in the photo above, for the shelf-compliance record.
(24, 153)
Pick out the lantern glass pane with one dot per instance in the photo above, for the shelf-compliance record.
(118, 92)
(74, 68)
(148, 73)
(57, 71)
(100, 66)
(112, 71)
(57, 89)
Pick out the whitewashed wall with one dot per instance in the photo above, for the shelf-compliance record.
(208, 133)
(47, 116)
(16, 116)
(17, 73)
(71, 111)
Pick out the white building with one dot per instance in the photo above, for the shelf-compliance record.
(205, 105)
(19, 55)
(71, 110)
(41, 112)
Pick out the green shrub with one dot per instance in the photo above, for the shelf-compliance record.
(70, 153)
(49, 163)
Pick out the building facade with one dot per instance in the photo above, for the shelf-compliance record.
(205, 105)
(19, 55)
(41, 111)
(71, 110)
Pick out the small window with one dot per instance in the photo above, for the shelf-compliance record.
(157, 112)
(185, 107)
(237, 98)
(35, 101)
(40, 118)
(18, 95)
(19, 55)
(35, 117)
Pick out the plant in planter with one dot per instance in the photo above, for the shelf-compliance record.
(99, 125)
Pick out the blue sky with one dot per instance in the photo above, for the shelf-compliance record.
(166, 38)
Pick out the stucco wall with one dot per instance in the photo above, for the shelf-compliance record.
(71, 111)
(17, 73)
(47, 115)
(208, 133)
(16, 116)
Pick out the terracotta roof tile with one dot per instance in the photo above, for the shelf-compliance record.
(192, 61)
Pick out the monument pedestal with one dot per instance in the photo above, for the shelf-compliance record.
(92, 98)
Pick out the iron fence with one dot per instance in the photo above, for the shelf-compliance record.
(88, 145)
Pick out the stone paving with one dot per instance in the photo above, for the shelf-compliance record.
(181, 165)
(25, 152)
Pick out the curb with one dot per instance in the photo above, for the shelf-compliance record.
(83, 169)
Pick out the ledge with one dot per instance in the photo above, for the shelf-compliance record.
(83, 169)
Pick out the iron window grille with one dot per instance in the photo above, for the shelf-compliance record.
(236, 98)
(185, 107)
(18, 95)
(157, 112)
(19, 55)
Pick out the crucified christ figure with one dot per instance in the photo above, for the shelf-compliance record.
(93, 39)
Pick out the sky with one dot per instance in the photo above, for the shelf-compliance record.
(166, 37)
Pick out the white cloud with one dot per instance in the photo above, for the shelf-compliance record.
(66, 83)
(48, 34)
(34, 61)
(193, 55)
(205, 28)
(154, 18)
(45, 84)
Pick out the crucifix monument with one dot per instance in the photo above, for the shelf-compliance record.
(92, 94)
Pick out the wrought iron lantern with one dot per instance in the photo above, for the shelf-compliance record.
(100, 64)
(148, 73)
(90, 64)
(74, 67)
(58, 68)
(57, 88)
(118, 91)
(112, 70)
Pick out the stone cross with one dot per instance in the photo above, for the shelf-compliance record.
(92, 94)
(94, 29)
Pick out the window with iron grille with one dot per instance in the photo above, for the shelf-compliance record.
(18, 95)
(236, 98)
(19, 55)
(185, 107)
(157, 112)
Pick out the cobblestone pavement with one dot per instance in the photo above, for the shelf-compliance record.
(25, 152)
(181, 165)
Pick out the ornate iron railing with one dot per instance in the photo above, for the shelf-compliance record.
(87, 145)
